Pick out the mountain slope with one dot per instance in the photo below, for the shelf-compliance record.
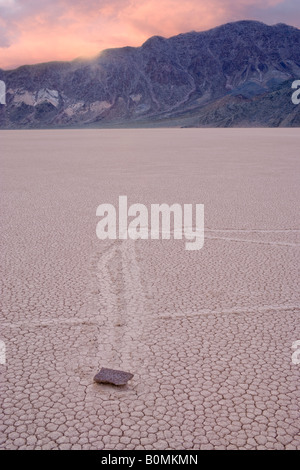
(235, 65)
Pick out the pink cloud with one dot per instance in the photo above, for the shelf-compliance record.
(41, 30)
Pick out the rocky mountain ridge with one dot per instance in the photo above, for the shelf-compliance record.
(222, 77)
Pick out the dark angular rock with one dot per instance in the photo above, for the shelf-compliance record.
(111, 376)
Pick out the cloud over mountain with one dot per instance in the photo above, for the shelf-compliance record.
(41, 30)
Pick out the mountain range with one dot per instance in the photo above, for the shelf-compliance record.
(235, 75)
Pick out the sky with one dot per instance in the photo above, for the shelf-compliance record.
(33, 31)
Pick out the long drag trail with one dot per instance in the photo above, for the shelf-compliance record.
(207, 334)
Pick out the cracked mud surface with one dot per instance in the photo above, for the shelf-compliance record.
(207, 334)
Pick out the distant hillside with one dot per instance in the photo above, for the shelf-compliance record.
(238, 74)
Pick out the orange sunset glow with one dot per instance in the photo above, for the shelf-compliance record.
(39, 31)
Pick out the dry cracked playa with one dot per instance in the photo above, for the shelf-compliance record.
(207, 334)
